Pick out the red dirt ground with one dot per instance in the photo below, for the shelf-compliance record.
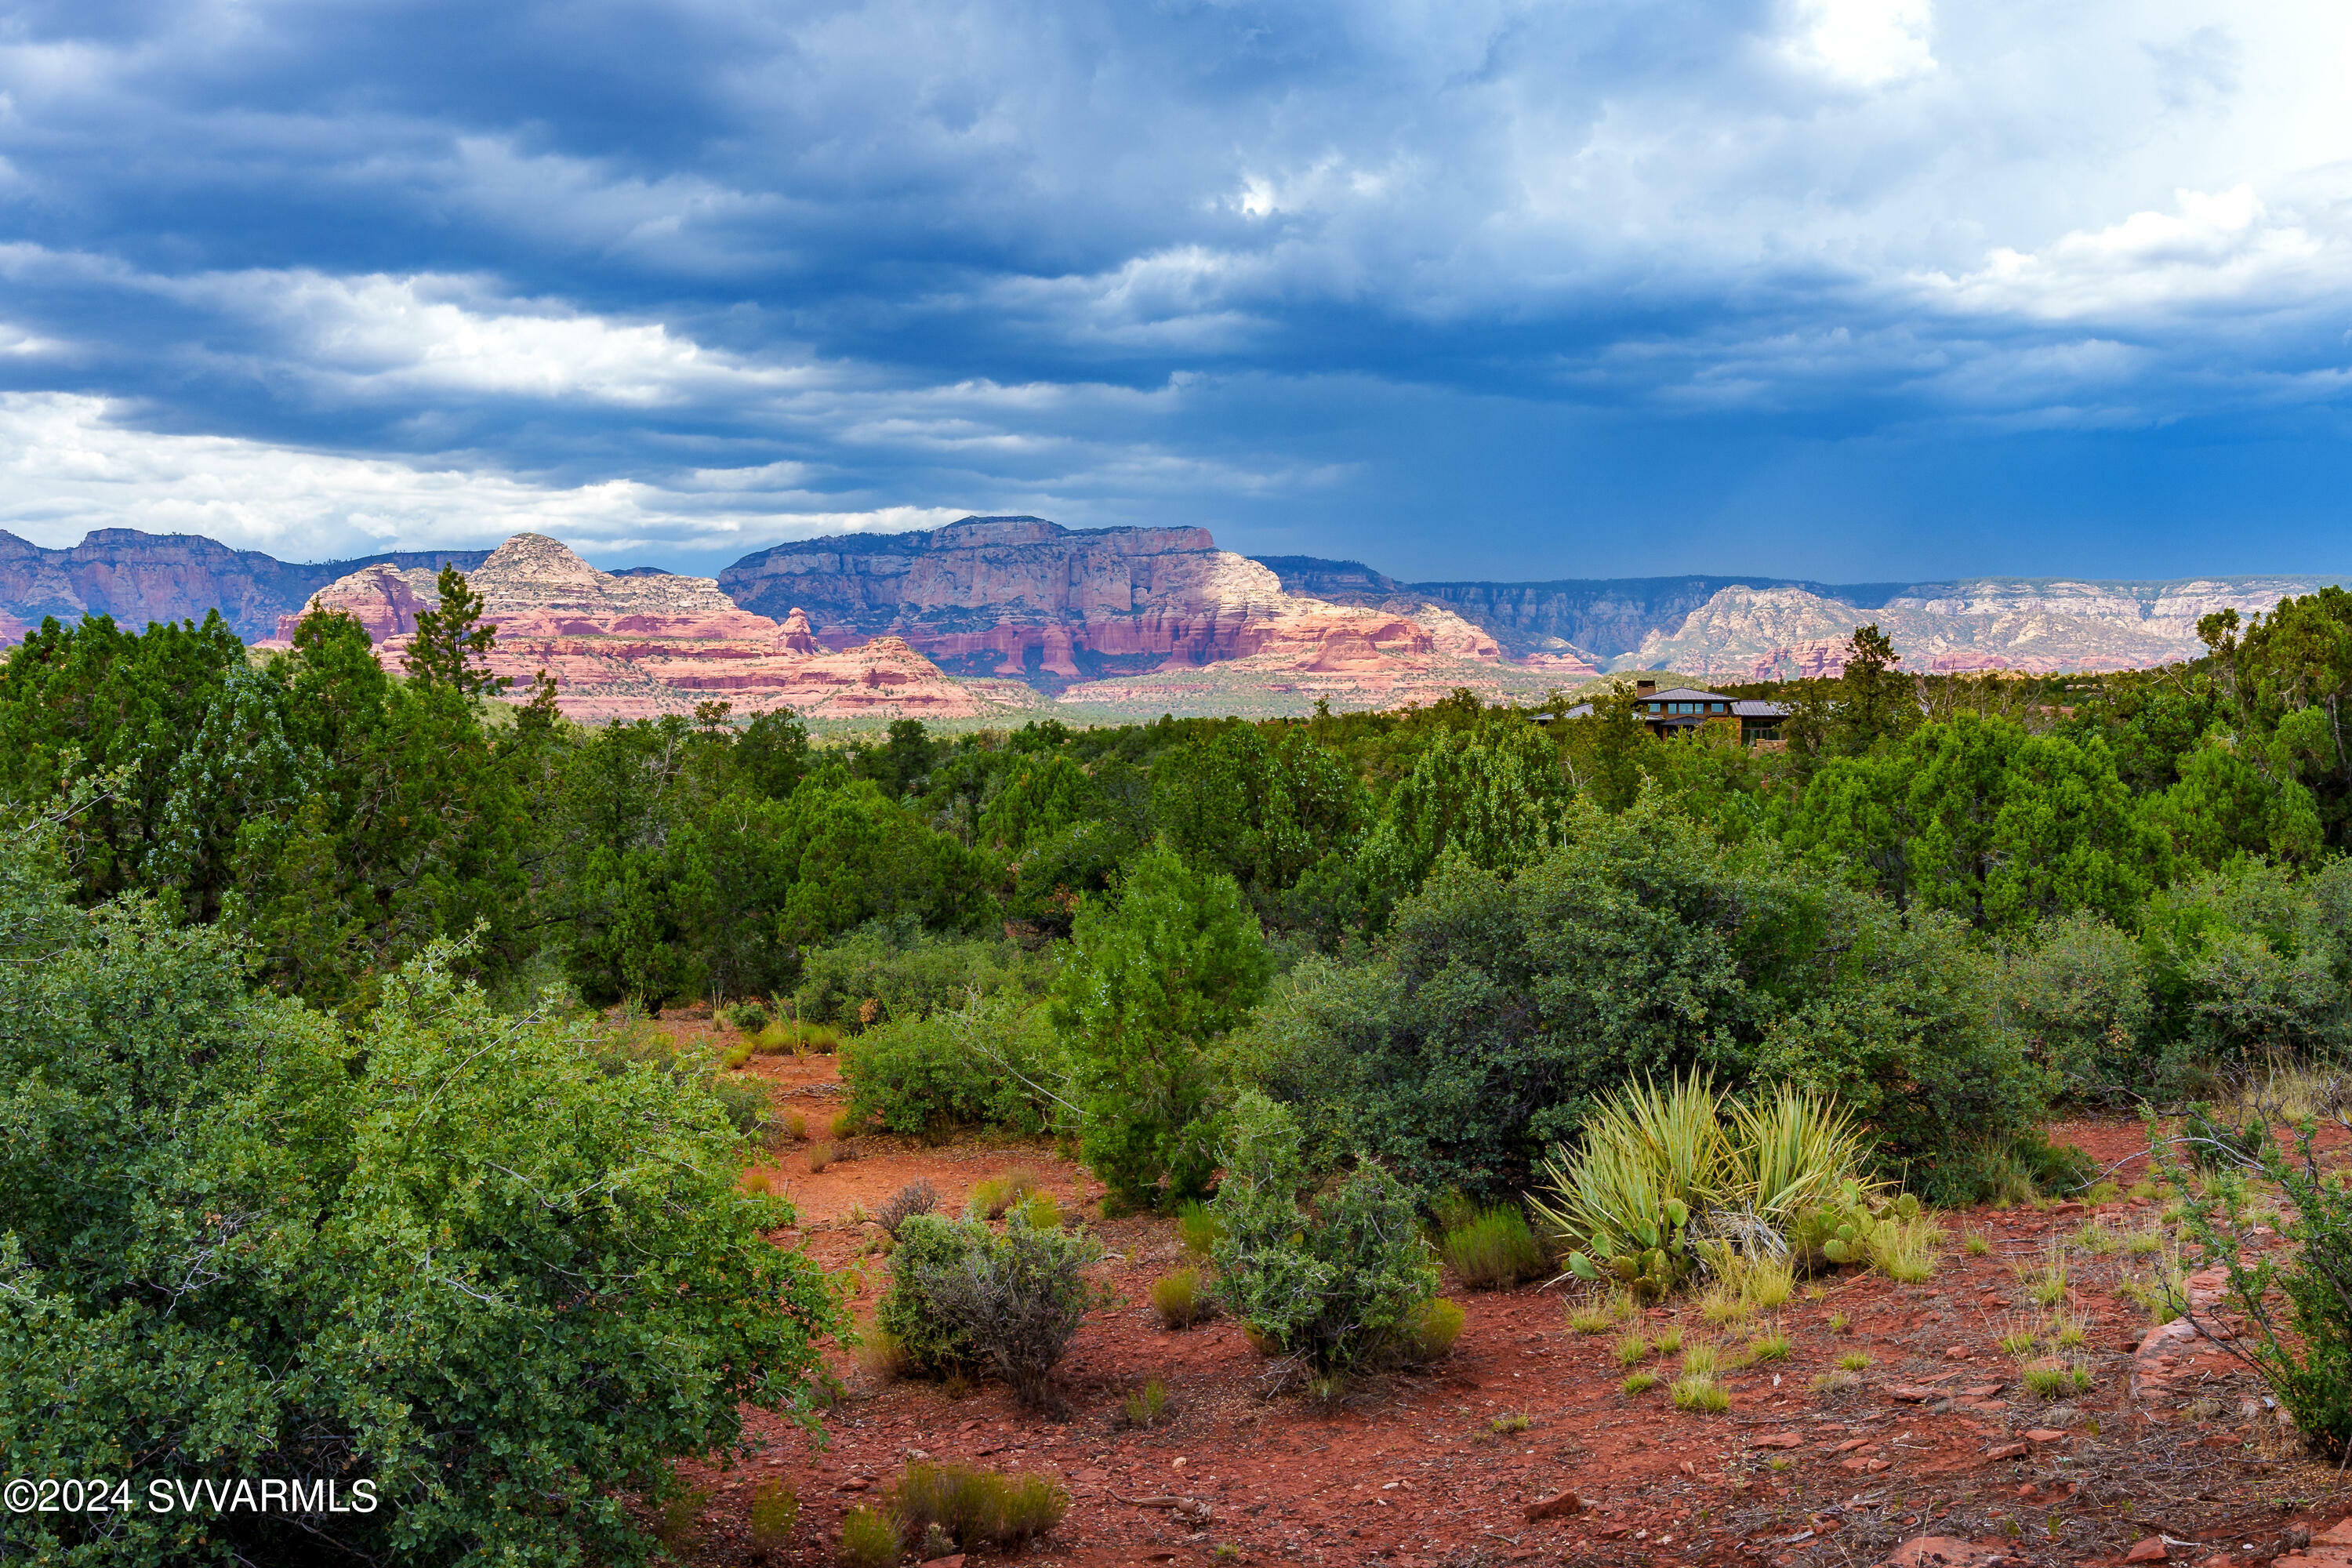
(1938, 1438)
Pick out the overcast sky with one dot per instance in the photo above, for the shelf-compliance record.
(1853, 289)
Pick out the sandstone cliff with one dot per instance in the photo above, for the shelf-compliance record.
(1022, 597)
(635, 646)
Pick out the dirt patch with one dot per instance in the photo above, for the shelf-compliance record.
(1935, 1436)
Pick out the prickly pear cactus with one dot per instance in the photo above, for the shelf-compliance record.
(1651, 1260)
(1845, 1225)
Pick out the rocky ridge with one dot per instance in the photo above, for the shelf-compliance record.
(1062, 608)
(648, 643)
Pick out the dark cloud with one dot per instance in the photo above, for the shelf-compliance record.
(1559, 287)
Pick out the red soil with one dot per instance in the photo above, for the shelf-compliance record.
(1937, 1438)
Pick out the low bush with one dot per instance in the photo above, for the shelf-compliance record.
(748, 1017)
(1341, 1286)
(975, 1507)
(914, 1198)
(964, 1297)
(1494, 1251)
(904, 973)
(1179, 1298)
(2020, 1168)
(745, 1102)
(2297, 1303)
(989, 1063)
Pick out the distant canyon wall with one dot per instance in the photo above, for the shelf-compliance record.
(990, 611)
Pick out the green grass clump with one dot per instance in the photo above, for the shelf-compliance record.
(1699, 1361)
(1633, 1350)
(1041, 1211)
(1700, 1394)
(1503, 1426)
(1591, 1317)
(992, 1197)
(775, 1508)
(1146, 1403)
(973, 1507)
(1494, 1251)
(1905, 1249)
(1197, 1227)
(1670, 1340)
(2057, 1382)
(868, 1540)
(1852, 1360)
(1436, 1324)
(1840, 1323)
(1768, 1347)
(1640, 1382)
(820, 1155)
(1976, 1246)
(784, 1035)
(1179, 1300)
(736, 1055)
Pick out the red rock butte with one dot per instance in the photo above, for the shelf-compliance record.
(644, 645)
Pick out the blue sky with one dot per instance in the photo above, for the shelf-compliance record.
(1853, 289)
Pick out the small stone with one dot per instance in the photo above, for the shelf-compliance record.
(2338, 1534)
(1910, 1393)
(1864, 1465)
(2152, 1550)
(1981, 1391)
(1958, 1352)
(2047, 1434)
(1777, 1441)
(1560, 1507)
(1851, 1444)
(2006, 1451)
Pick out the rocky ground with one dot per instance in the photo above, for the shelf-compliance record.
(1925, 1446)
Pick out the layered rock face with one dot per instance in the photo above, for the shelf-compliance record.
(1029, 599)
(141, 577)
(1779, 634)
(1349, 656)
(646, 644)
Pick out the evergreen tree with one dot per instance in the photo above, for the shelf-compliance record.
(452, 646)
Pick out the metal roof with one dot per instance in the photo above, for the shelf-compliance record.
(1683, 694)
(1747, 708)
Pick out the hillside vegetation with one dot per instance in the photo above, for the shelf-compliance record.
(334, 1150)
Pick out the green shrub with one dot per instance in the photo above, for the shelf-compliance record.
(989, 1063)
(1493, 1251)
(928, 1343)
(2305, 1352)
(2018, 1168)
(1179, 1300)
(1341, 1286)
(223, 1245)
(868, 1540)
(749, 1017)
(1501, 1007)
(908, 973)
(735, 1057)
(1006, 1303)
(1151, 981)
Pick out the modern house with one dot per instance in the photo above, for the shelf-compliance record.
(1682, 710)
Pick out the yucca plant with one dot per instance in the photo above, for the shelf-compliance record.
(1650, 1159)
(1793, 1148)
